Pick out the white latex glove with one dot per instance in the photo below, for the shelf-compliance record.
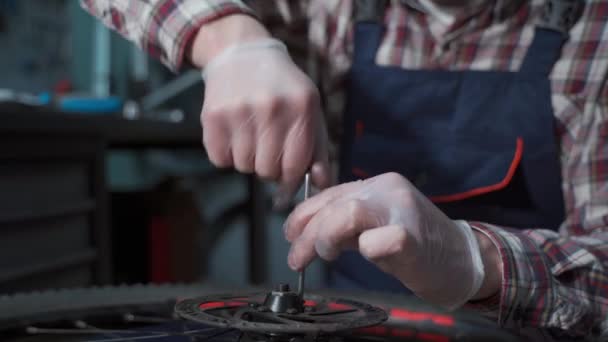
(396, 227)
(262, 115)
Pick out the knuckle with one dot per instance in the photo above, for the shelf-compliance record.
(218, 158)
(292, 172)
(268, 172)
(354, 207)
(221, 162)
(243, 116)
(331, 237)
(215, 112)
(288, 233)
(294, 225)
(239, 108)
(399, 239)
(210, 118)
(242, 168)
(354, 211)
(405, 198)
(267, 105)
(244, 164)
(328, 246)
(305, 98)
(218, 154)
(244, 157)
(302, 132)
(395, 179)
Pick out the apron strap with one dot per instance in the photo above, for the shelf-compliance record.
(551, 32)
(369, 11)
(561, 15)
(369, 29)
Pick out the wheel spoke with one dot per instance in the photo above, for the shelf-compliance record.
(84, 325)
(131, 318)
(90, 330)
(192, 333)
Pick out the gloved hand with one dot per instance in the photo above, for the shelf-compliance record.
(263, 115)
(397, 228)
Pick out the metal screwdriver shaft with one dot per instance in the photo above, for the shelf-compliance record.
(301, 275)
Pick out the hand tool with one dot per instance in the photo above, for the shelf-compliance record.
(302, 274)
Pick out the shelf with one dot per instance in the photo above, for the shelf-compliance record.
(82, 207)
(58, 264)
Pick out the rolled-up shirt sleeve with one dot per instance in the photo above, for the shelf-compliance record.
(163, 28)
(551, 281)
(559, 279)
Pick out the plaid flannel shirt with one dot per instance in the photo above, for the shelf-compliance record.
(551, 280)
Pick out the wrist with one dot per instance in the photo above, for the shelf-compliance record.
(493, 267)
(214, 37)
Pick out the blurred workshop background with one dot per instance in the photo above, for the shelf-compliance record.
(103, 178)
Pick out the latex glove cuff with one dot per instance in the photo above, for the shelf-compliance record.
(478, 271)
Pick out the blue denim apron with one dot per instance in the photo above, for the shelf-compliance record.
(480, 144)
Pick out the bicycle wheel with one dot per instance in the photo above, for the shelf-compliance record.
(146, 313)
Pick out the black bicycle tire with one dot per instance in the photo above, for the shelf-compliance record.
(19, 309)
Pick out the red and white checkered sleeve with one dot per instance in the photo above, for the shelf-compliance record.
(549, 280)
(163, 28)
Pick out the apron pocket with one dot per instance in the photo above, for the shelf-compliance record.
(448, 170)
